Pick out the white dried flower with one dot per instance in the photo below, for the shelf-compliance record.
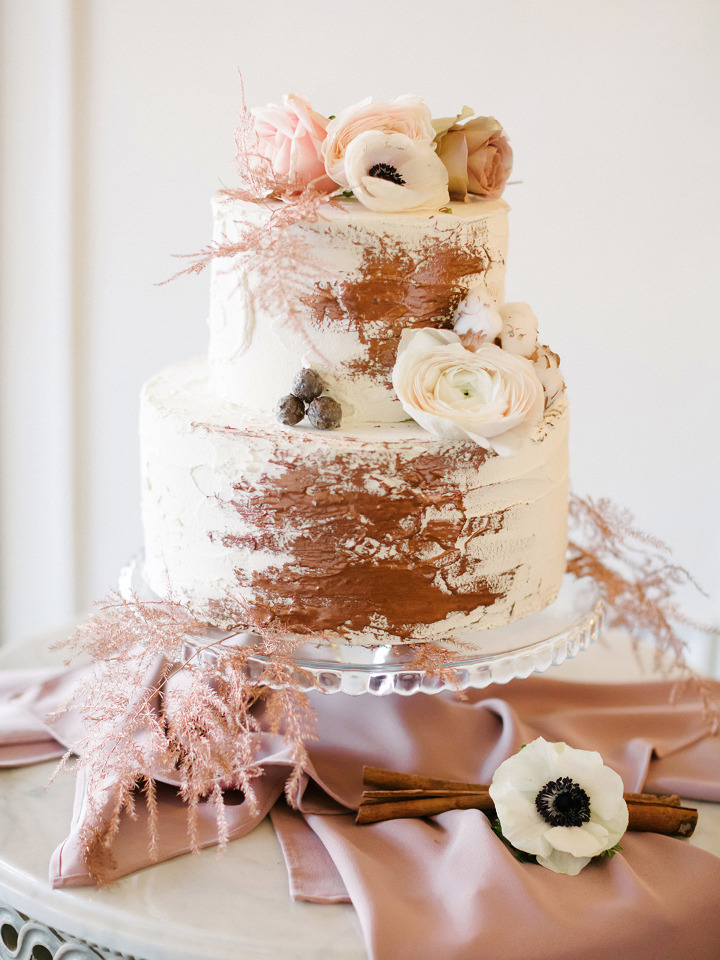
(478, 313)
(519, 329)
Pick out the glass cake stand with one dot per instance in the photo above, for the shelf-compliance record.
(531, 645)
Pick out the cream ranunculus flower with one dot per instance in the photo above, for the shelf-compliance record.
(485, 395)
(560, 804)
(389, 172)
(408, 115)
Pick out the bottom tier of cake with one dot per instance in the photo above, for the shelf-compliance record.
(375, 534)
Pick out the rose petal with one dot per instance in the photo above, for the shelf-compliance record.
(442, 125)
(453, 152)
(479, 130)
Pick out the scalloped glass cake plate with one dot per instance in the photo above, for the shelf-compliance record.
(531, 645)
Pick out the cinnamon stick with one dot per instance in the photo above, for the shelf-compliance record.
(654, 817)
(379, 779)
(421, 807)
(390, 795)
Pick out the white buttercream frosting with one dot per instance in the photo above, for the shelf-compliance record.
(244, 517)
(335, 294)
(379, 531)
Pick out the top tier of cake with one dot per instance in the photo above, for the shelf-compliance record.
(336, 293)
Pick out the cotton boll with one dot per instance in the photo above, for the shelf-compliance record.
(546, 364)
(519, 329)
(478, 313)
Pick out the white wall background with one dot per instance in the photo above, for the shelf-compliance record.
(117, 126)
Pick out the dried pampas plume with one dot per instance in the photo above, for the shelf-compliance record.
(639, 581)
(158, 707)
(269, 247)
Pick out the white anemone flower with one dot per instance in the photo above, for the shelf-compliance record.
(390, 172)
(560, 804)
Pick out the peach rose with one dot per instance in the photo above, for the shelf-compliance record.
(408, 115)
(478, 158)
(486, 395)
(290, 137)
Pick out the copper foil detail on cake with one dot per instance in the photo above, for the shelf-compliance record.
(394, 291)
(360, 547)
(366, 535)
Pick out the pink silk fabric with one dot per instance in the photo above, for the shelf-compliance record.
(445, 887)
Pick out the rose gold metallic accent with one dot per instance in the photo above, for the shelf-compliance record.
(397, 291)
(395, 555)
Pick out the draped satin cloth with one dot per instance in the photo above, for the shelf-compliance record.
(444, 888)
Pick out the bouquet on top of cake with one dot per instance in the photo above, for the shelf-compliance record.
(375, 450)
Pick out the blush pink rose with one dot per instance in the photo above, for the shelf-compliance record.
(478, 158)
(408, 115)
(291, 138)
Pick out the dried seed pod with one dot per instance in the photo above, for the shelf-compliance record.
(325, 413)
(290, 410)
(307, 385)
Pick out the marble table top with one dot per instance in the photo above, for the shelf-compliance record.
(204, 906)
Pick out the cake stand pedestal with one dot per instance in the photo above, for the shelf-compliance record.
(477, 659)
(204, 907)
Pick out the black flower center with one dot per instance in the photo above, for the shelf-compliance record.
(563, 803)
(385, 171)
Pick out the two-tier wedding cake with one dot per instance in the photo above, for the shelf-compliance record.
(375, 449)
